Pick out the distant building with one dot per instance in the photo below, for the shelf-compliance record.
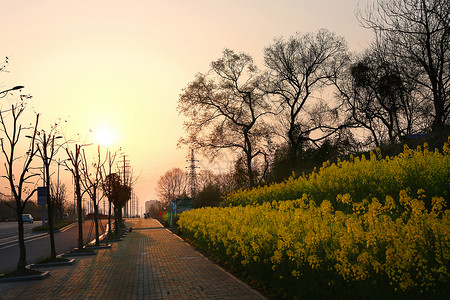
(152, 208)
(152, 205)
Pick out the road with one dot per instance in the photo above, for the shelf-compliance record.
(38, 244)
(9, 229)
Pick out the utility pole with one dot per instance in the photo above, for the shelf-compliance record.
(135, 204)
(124, 170)
(132, 204)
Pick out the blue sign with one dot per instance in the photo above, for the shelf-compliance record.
(174, 206)
(42, 195)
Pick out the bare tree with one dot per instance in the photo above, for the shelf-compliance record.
(225, 110)
(58, 193)
(418, 33)
(4, 64)
(300, 68)
(92, 182)
(47, 149)
(119, 193)
(171, 185)
(73, 164)
(205, 178)
(18, 178)
(379, 98)
(4, 93)
(108, 188)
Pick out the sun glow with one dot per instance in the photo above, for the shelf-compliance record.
(105, 136)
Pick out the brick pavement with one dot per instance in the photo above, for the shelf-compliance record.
(150, 263)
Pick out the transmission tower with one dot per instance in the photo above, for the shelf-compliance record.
(193, 175)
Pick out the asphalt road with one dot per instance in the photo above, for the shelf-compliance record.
(9, 229)
(38, 245)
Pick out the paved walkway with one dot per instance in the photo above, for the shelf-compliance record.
(150, 263)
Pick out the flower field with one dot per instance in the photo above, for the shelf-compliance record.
(362, 178)
(296, 244)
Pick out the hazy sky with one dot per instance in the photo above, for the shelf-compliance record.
(121, 65)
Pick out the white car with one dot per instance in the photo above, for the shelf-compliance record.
(28, 218)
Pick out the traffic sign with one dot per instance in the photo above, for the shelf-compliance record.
(42, 195)
(174, 206)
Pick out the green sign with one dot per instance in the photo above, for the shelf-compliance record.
(184, 204)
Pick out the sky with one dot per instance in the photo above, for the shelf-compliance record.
(118, 67)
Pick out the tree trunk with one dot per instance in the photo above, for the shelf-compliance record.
(438, 123)
(50, 228)
(50, 213)
(23, 251)
(293, 151)
(109, 219)
(120, 218)
(116, 220)
(97, 239)
(79, 213)
(248, 152)
(251, 179)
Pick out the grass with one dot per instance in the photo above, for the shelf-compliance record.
(50, 260)
(56, 226)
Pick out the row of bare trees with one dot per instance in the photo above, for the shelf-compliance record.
(314, 91)
(28, 149)
(175, 183)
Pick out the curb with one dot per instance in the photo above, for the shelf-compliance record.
(53, 264)
(26, 278)
(115, 240)
(97, 247)
(66, 227)
(62, 229)
(68, 254)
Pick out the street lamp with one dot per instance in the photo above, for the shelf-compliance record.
(60, 162)
(5, 92)
(58, 188)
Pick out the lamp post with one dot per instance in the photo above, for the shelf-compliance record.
(74, 195)
(59, 162)
(5, 92)
(58, 187)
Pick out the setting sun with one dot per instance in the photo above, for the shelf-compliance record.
(105, 136)
(116, 77)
